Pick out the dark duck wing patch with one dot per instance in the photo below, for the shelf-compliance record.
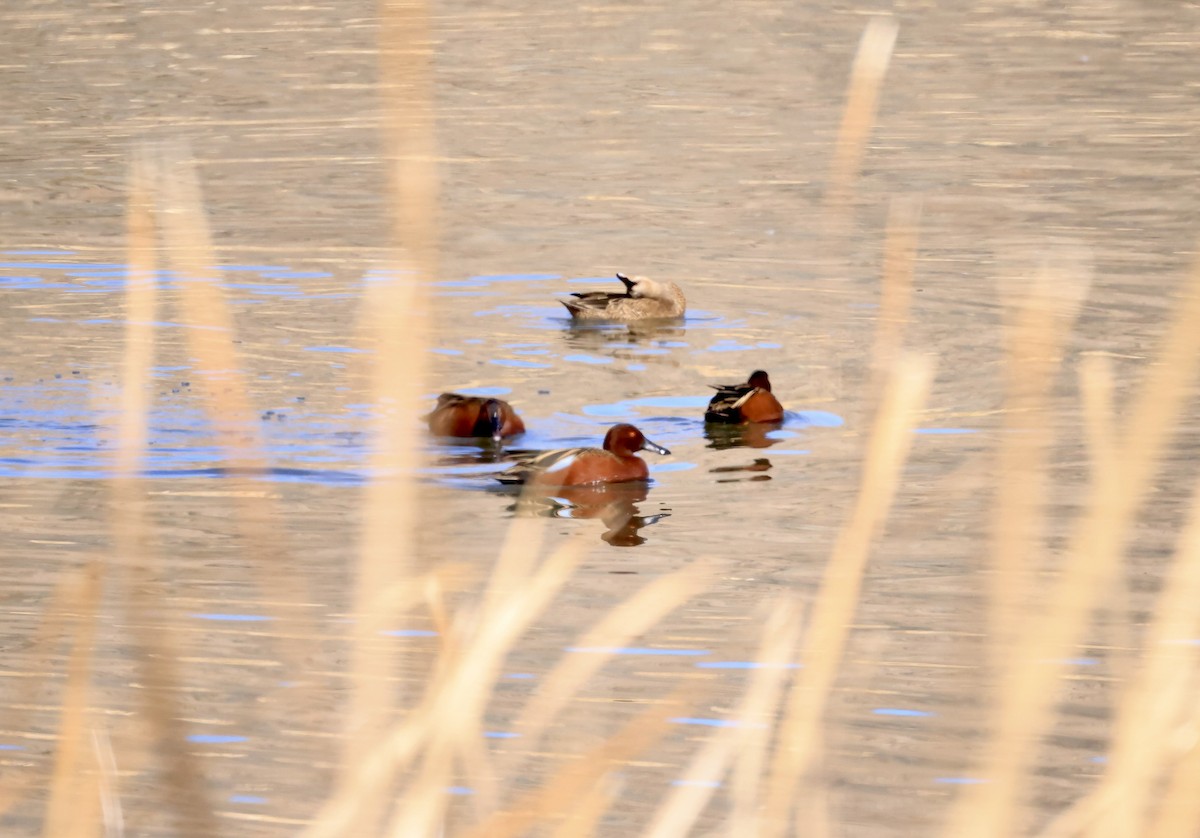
(726, 405)
(545, 463)
(598, 300)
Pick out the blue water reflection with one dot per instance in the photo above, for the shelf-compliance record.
(55, 429)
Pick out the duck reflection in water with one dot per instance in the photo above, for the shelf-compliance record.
(615, 504)
(590, 336)
(756, 471)
(750, 435)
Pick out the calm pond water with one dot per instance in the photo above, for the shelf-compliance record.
(687, 142)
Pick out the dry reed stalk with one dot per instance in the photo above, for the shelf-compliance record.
(406, 90)
(570, 784)
(450, 713)
(858, 117)
(399, 319)
(628, 620)
(65, 815)
(1179, 811)
(204, 307)
(1096, 388)
(107, 781)
(184, 786)
(1156, 700)
(1034, 337)
(517, 561)
(73, 790)
(581, 820)
(747, 740)
(386, 550)
(205, 310)
(456, 717)
(833, 611)
(50, 628)
(988, 810)
(896, 285)
(751, 762)
(518, 556)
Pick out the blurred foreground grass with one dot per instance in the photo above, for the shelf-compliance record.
(402, 748)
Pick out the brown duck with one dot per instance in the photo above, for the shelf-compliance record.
(644, 299)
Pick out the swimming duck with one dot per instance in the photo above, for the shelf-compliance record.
(644, 299)
(749, 402)
(474, 416)
(616, 462)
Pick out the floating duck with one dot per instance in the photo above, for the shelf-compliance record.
(644, 299)
(474, 416)
(616, 462)
(749, 402)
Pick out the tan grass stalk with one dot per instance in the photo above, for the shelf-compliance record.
(1035, 334)
(617, 628)
(108, 784)
(834, 609)
(581, 818)
(988, 810)
(386, 552)
(456, 717)
(1156, 701)
(1180, 810)
(399, 316)
(72, 785)
(450, 712)
(204, 307)
(1096, 386)
(862, 102)
(517, 559)
(50, 629)
(225, 397)
(184, 786)
(754, 716)
(896, 287)
(579, 779)
(750, 765)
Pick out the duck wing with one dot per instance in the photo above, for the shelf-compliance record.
(526, 469)
(726, 405)
(598, 301)
(592, 300)
(445, 400)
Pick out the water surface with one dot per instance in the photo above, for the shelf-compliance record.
(684, 142)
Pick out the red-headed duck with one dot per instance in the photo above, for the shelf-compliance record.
(474, 416)
(644, 299)
(616, 462)
(749, 402)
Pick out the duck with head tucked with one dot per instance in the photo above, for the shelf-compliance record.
(749, 402)
(474, 416)
(616, 462)
(644, 299)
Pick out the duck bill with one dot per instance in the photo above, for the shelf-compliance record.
(655, 447)
(627, 281)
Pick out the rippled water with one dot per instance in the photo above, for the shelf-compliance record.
(684, 142)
